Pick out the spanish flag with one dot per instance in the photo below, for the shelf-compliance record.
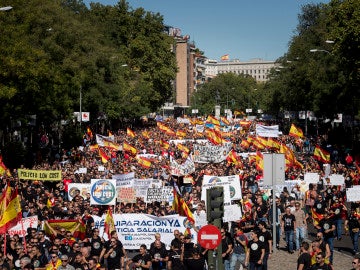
(211, 119)
(321, 155)
(180, 134)
(10, 209)
(225, 57)
(225, 121)
(164, 144)
(77, 228)
(128, 148)
(130, 133)
(182, 148)
(214, 136)
(180, 206)
(109, 224)
(145, 134)
(3, 168)
(296, 132)
(232, 158)
(143, 162)
(104, 157)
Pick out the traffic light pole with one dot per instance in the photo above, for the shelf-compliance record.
(214, 214)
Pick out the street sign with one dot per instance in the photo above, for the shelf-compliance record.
(209, 237)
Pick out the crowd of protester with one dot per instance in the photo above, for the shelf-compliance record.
(294, 209)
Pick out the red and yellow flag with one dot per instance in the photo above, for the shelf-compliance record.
(182, 148)
(296, 131)
(164, 144)
(104, 157)
(77, 228)
(109, 223)
(144, 162)
(214, 136)
(225, 121)
(3, 168)
(145, 134)
(212, 120)
(321, 155)
(130, 133)
(129, 148)
(232, 158)
(10, 209)
(180, 134)
(225, 57)
(180, 206)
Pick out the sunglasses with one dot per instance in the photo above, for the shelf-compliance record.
(53, 257)
(64, 260)
(354, 262)
(318, 258)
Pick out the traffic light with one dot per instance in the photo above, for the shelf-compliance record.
(214, 204)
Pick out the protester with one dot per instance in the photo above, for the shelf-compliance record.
(288, 225)
(304, 260)
(255, 252)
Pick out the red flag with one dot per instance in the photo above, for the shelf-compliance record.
(104, 157)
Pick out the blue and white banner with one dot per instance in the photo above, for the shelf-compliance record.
(136, 229)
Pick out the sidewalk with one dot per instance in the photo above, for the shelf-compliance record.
(282, 260)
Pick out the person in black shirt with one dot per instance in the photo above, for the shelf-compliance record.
(320, 263)
(159, 256)
(96, 243)
(114, 254)
(265, 237)
(304, 260)
(327, 227)
(320, 205)
(255, 252)
(352, 225)
(175, 256)
(288, 226)
(141, 261)
(196, 261)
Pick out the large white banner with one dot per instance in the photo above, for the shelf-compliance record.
(211, 153)
(21, 227)
(136, 229)
(231, 184)
(267, 131)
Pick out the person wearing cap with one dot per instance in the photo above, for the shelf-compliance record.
(65, 263)
(255, 252)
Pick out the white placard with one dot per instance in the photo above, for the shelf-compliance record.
(311, 178)
(232, 213)
(21, 227)
(352, 194)
(336, 179)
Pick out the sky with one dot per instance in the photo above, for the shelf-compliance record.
(243, 29)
